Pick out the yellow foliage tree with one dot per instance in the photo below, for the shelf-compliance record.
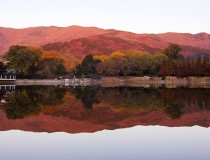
(102, 57)
(117, 55)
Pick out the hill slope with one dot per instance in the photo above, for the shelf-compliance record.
(95, 45)
(41, 35)
(76, 41)
(104, 44)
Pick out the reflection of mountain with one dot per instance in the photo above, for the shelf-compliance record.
(72, 110)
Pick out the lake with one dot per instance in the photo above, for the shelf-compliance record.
(63, 122)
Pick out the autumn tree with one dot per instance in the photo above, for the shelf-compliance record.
(206, 66)
(102, 57)
(50, 68)
(23, 59)
(51, 65)
(156, 61)
(167, 69)
(143, 62)
(88, 66)
(173, 51)
(131, 62)
(106, 68)
(198, 66)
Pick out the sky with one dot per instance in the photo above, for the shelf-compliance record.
(139, 16)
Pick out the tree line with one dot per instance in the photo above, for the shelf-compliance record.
(169, 62)
(32, 62)
(187, 67)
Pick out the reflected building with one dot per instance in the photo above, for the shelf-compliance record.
(4, 91)
(7, 88)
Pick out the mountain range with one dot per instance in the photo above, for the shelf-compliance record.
(76, 41)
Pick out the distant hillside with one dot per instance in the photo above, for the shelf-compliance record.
(104, 44)
(201, 40)
(76, 42)
(41, 35)
(95, 45)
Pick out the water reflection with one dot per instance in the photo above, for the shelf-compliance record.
(27, 101)
(135, 100)
(87, 95)
(97, 108)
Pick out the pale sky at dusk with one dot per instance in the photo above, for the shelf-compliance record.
(140, 16)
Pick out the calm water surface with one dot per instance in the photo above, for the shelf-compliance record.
(58, 122)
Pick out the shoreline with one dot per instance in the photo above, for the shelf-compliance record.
(169, 82)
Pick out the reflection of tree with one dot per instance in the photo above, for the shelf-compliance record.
(32, 100)
(187, 97)
(174, 111)
(29, 100)
(87, 95)
(20, 105)
(49, 95)
(131, 100)
(174, 102)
